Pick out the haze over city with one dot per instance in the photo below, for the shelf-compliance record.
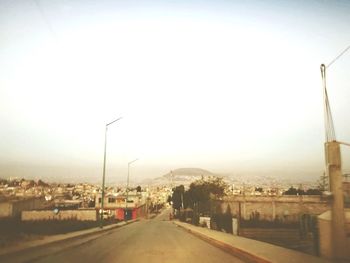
(231, 87)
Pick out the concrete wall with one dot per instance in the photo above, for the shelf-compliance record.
(29, 204)
(119, 202)
(13, 208)
(284, 208)
(271, 233)
(325, 233)
(82, 215)
(5, 209)
(325, 230)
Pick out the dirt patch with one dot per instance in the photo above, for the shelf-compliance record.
(13, 231)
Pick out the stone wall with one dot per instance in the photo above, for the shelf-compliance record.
(13, 208)
(283, 208)
(81, 215)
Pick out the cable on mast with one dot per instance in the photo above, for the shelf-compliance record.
(337, 57)
(329, 125)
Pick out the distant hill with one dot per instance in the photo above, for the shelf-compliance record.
(183, 176)
(188, 172)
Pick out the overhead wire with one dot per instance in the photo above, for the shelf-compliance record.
(46, 20)
(329, 125)
(337, 57)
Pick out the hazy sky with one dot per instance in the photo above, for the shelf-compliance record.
(228, 86)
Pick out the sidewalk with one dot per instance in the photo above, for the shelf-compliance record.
(248, 249)
(61, 237)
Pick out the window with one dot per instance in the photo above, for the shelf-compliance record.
(111, 200)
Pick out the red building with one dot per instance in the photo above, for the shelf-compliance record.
(121, 208)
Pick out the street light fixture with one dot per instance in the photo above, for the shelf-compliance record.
(104, 172)
(127, 187)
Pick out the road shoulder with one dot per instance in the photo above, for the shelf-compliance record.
(55, 239)
(248, 249)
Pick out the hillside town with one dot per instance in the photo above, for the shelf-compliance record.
(21, 195)
(284, 215)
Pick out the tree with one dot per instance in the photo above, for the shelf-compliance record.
(291, 191)
(3, 181)
(42, 183)
(202, 190)
(198, 195)
(138, 189)
(323, 183)
(312, 191)
(259, 189)
(177, 198)
(294, 191)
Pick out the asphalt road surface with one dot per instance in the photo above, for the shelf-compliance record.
(154, 240)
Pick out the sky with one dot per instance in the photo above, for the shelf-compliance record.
(233, 87)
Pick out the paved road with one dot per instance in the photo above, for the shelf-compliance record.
(155, 240)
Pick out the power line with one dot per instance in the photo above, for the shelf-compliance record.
(329, 125)
(337, 57)
(45, 19)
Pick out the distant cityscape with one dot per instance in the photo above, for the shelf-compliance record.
(264, 202)
(83, 194)
(32, 195)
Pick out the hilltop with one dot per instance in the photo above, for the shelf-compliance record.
(183, 176)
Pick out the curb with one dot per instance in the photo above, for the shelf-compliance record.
(252, 251)
(241, 254)
(73, 235)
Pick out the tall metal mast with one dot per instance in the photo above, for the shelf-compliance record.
(333, 170)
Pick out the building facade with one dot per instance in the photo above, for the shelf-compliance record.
(122, 206)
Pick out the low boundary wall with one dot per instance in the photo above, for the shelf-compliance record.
(80, 215)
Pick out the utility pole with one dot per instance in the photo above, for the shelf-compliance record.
(333, 166)
(171, 179)
(333, 170)
(104, 172)
(127, 189)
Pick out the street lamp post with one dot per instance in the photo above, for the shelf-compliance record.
(104, 172)
(127, 187)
